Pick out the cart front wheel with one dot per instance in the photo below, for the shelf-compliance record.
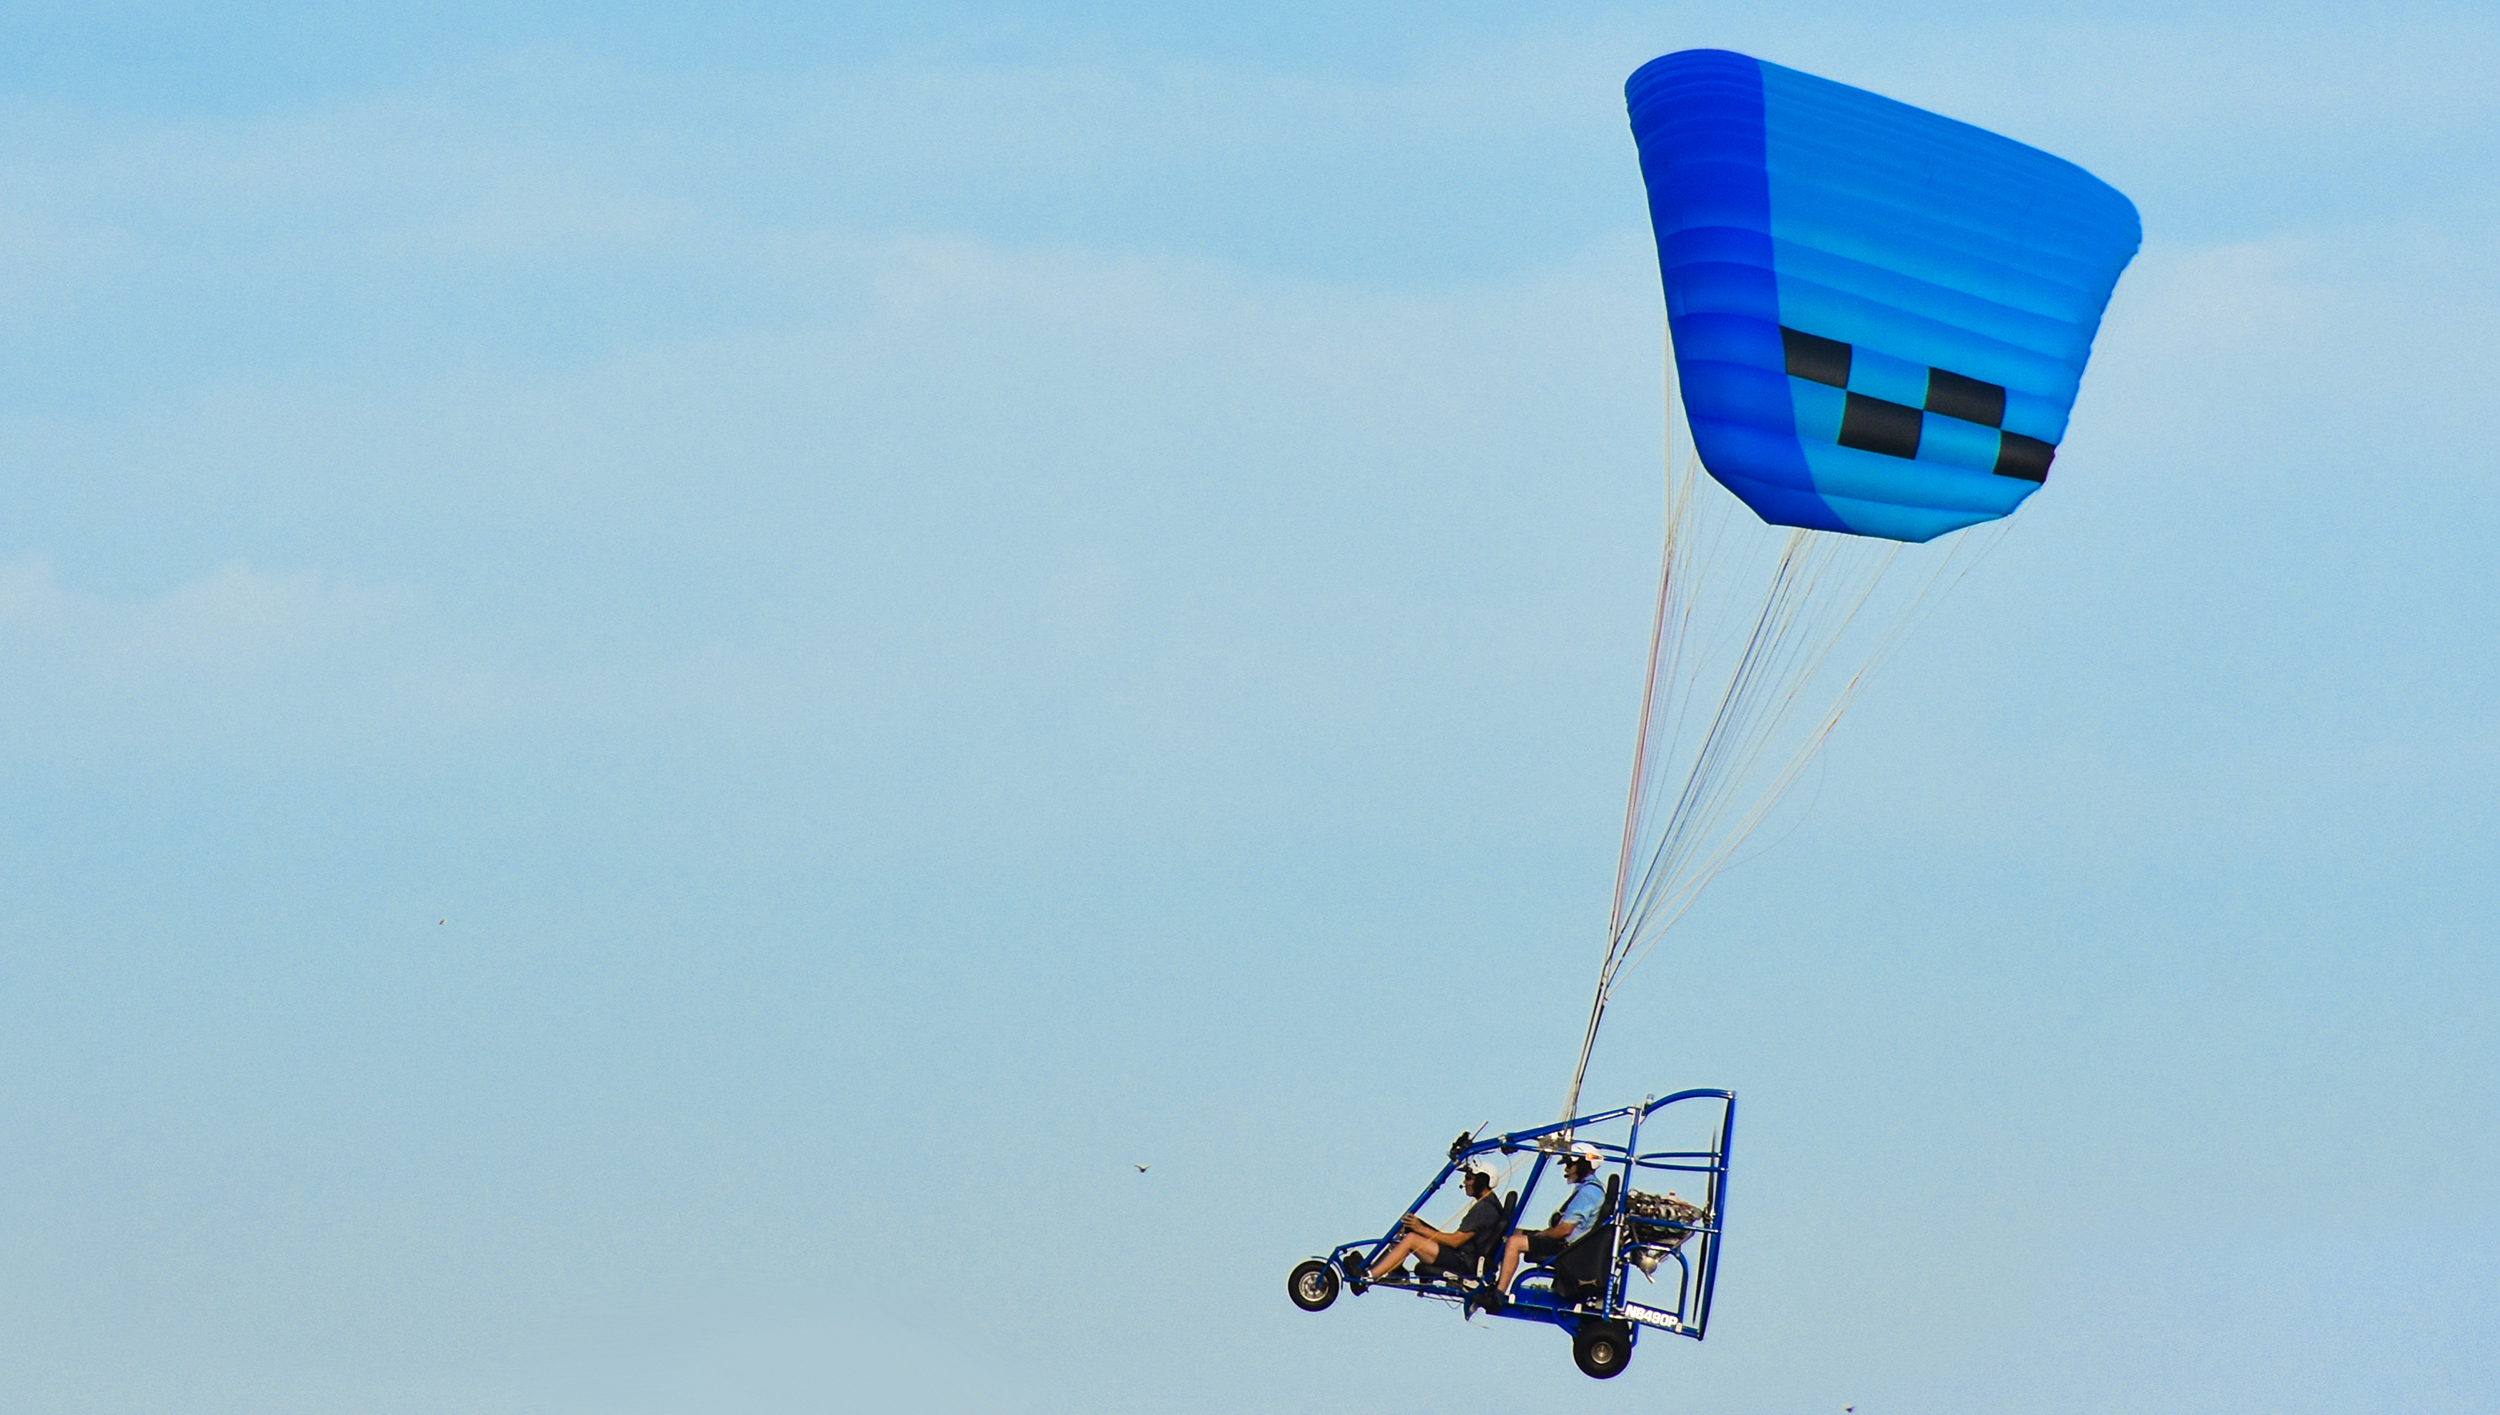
(1313, 1286)
(1602, 1351)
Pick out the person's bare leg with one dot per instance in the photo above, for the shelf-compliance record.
(1414, 1243)
(1511, 1250)
(1388, 1262)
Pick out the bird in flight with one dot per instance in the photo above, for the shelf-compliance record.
(1141, 1168)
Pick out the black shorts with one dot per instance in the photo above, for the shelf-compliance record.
(1539, 1247)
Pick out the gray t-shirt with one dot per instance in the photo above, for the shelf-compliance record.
(1482, 1220)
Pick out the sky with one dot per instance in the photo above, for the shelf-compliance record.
(672, 679)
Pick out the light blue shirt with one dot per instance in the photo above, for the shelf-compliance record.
(1581, 1208)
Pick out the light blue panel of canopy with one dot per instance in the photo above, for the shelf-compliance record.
(1881, 316)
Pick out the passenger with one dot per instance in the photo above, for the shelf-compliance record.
(1476, 1228)
(1572, 1220)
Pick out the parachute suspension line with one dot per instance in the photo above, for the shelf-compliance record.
(1640, 744)
(1631, 809)
(1679, 490)
(1761, 690)
(1725, 679)
(1948, 572)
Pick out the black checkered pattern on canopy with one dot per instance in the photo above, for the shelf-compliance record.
(1875, 425)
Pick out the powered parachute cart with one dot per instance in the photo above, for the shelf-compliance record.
(1648, 1260)
(1878, 321)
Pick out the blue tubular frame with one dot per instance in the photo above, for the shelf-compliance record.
(1532, 1296)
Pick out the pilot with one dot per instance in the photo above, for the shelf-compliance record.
(1475, 1232)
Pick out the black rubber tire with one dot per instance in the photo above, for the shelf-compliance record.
(1602, 1350)
(1312, 1286)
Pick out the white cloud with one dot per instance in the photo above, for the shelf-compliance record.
(234, 617)
(236, 656)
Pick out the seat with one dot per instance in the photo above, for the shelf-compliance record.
(1481, 1255)
(1580, 1269)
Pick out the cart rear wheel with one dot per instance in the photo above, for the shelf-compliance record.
(1313, 1286)
(1602, 1351)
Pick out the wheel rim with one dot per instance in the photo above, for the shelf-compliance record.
(1602, 1352)
(1314, 1287)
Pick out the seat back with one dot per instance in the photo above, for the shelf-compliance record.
(1582, 1266)
(1485, 1248)
(1489, 1248)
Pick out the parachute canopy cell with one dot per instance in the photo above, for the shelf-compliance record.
(1880, 315)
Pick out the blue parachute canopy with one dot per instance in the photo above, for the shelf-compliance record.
(1880, 315)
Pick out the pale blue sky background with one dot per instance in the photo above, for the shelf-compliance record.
(944, 604)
